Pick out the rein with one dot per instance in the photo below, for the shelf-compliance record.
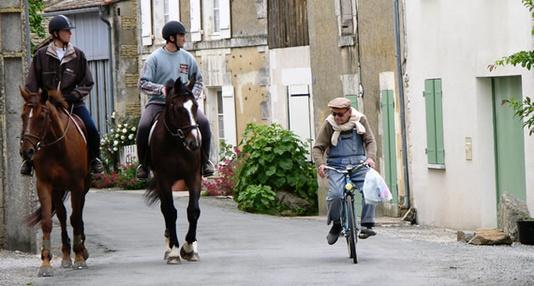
(180, 132)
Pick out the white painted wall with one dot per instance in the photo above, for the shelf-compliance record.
(456, 41)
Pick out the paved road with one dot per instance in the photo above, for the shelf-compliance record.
(125, 240)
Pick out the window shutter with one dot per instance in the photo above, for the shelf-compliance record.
(146, 22)
(195, 21)
(224, 10)
(174, 10)
(230, 134)
(430, 122)
(438, 110)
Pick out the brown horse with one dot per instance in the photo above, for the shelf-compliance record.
(59, 153)
(175, 155)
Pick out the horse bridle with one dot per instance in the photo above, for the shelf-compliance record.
(180, 132)
(39, 139)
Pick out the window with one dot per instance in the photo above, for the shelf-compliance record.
(434, 123)
(146, 22)
(346, 17)
(220, 115)
(172, 10)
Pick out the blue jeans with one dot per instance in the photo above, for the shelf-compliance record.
(93, 137)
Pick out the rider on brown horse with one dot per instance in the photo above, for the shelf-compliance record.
(60, 65)
(169, 63)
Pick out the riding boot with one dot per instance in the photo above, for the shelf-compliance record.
(26, 168)
(142, 172)
(207, 166)
(96, 166)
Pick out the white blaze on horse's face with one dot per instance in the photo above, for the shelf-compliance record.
(189, 106)
(31, 113)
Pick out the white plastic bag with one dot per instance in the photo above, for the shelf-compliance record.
(375, 190)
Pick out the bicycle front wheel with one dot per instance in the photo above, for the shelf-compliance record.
(352, 238)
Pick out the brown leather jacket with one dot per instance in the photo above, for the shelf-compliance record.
(72, 74)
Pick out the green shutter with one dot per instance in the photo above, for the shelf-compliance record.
(354, 100)
(430, 119)
(387, 109)
(438, 109)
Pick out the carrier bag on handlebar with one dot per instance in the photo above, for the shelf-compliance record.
(375, 190)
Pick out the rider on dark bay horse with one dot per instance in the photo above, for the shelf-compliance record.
(169, 63)
(60, 65)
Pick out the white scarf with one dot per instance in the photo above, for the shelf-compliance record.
(354, 122)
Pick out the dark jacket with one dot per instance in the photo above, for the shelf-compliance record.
(46, 72)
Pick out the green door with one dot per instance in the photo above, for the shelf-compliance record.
(509, 140)
(387, 108)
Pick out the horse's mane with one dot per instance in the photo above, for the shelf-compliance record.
(56, 98)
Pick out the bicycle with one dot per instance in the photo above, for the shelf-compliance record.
(348, 217)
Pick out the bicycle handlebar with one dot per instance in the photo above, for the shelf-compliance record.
(348, 168)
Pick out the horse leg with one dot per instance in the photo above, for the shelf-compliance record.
(61, 213)
(189, 250)
(76, 220)
(169, 213)
(44, 191)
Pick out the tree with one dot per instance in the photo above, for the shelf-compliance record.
(36, 22)
(524, 109)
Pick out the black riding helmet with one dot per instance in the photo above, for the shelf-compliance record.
(172, 28)
(59, 23)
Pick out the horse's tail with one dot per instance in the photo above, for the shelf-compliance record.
(36, 217)
(151, 194)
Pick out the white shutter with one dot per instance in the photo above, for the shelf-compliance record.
(195, 21)
(174, 10)
(146, 22)
(224, 10)
(229, 115)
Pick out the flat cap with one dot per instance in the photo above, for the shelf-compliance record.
(340, 102)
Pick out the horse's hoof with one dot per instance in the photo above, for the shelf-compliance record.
(166, 255)
(66, 263)
(45, 271)
(85, 253)
(174, 260)
(189, 256)
(78, 265)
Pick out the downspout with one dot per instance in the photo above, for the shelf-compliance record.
(111, 70)
(396, 12)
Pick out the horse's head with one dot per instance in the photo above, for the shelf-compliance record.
(35, 118)
(181, 114)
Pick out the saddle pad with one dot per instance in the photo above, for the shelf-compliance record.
(151, 131)
(78, 122)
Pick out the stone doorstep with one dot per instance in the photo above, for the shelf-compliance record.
(484, 237)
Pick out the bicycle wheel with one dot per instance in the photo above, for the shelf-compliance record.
(352, 238)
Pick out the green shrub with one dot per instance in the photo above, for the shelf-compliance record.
(127, 179)
(275, 157)
(258, 199)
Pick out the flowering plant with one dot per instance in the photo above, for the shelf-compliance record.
(121, 133)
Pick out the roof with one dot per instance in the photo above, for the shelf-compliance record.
(63, 5)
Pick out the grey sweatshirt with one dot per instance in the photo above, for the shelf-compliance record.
(162, 66)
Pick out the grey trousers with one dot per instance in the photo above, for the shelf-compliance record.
(334, 199)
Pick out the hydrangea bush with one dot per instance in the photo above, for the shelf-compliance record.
(121, 133)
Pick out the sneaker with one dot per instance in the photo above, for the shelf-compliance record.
(26, 169)
(96, 166)
(366, 232)
(141, 173)
(334, 233)
(208, 169)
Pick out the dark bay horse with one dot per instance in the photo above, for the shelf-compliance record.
(58, 150)
(175, 155)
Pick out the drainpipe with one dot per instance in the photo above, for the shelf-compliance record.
(103, 18)
(27, 32)
(396, 12)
